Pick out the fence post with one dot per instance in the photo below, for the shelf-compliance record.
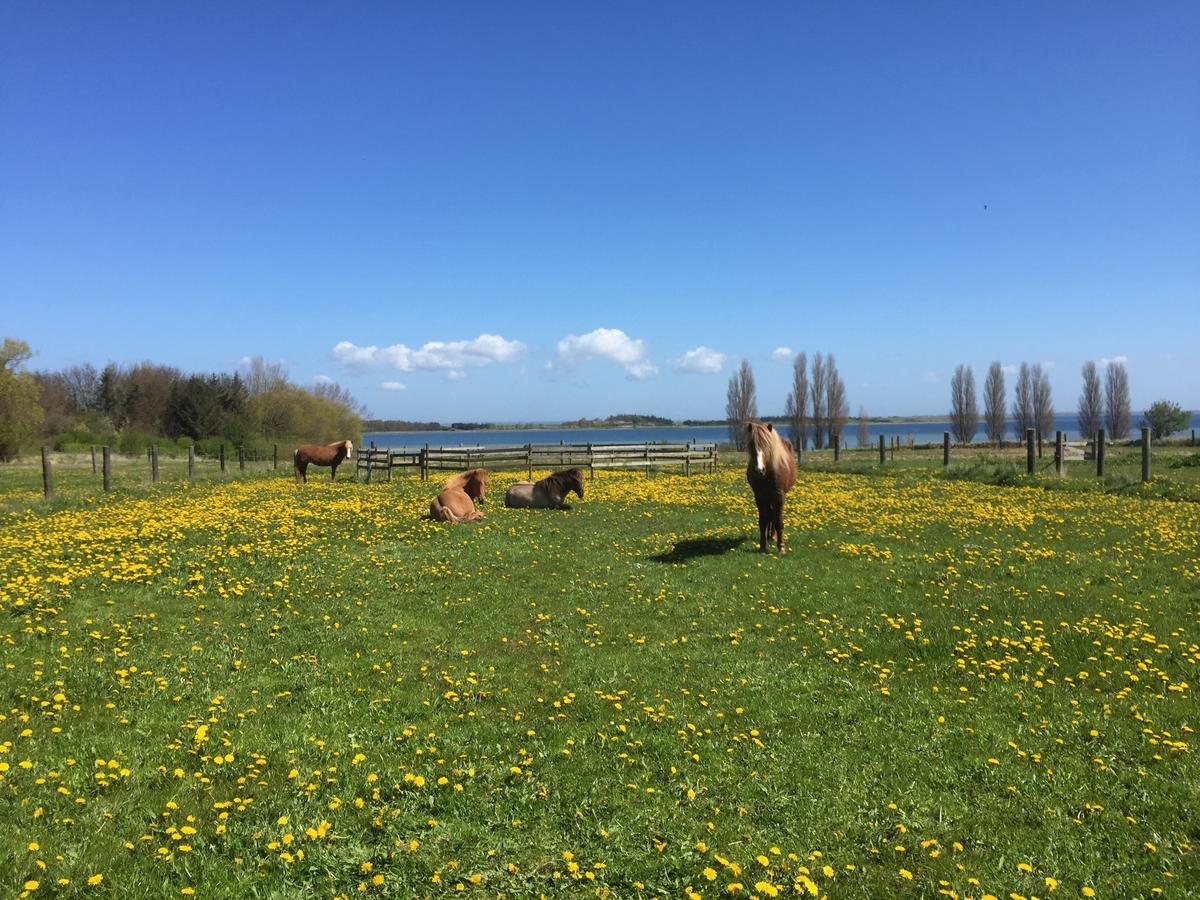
(882, 452)
(1100, 453)
(945, 448)
(191, 460)
(1039, 443)
(591, 463)
(370, 461)
(94, 456)
(529, 462)
(389, 463)
(425, 462)
(107, 468)
(837, 447)
(1029, 448)
(47, 475)
(1058, 453)
(1145, 454)
(154, 463)
(241, 459)
(895, 441)
(222, 456)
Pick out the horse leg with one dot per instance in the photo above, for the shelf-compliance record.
(301, 472)
(333, 472)
(763, 535)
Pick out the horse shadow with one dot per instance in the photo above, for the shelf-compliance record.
(693, 548)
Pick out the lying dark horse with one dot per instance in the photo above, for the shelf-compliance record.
(314, 455)
(771, 472)
(549, 493)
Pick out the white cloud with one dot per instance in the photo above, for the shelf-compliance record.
(456, 375)
(781, 353)
(701, 361)
(606, 343)
(453, 355)
(393, 386)
(322, 379)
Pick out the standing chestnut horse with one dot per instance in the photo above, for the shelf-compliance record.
(312, 454)
(771, 472)
(456, 502)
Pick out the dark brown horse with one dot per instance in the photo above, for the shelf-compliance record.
(771, 472)
(456, 502)
(315, 455)
(549, 493)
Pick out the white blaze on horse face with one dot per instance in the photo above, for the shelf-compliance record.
(759, 460)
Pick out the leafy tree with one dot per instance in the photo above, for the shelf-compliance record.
(1164, 418)
(20, 413)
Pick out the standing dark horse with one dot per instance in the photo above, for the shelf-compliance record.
(771, 472)
(549, 493)
(315, 455)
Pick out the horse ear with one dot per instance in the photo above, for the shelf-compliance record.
(749, 427)
(770, 427)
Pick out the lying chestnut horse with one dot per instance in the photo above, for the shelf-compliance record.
(549, 493)
(771, 472)
(456, 502)
(312, 454)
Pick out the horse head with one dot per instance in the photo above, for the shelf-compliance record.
(575, 482)
(758, 444)
(349, 447)
(476, 486)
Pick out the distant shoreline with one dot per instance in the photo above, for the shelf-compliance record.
(391, 426)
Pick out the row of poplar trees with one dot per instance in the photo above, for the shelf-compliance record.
(816, 406)
(1104, 405)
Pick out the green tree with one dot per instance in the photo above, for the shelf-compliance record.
(1164, 417)
(20, 412)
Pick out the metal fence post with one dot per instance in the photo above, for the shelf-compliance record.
(1100, 453)
(882, 452)
(1145, 454)
(191, 460)
(1029, 448)
(1058, 453)
(154, 463)
(107, 468)
(945, 448)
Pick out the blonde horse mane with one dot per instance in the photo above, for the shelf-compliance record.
(462, 479)
(768, 442)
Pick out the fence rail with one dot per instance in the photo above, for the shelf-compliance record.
(690, 456)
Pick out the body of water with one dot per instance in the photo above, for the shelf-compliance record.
(919, 432)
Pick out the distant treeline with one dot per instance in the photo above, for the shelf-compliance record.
(129, 407)
(617, 421)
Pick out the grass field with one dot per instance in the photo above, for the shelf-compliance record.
(245, 688)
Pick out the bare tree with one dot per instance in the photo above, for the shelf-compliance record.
(263, 376)
(1043, 405)
(1117, 412)
(741, 404)
(816, 389)
(964, 411)
(331, 390)
(994, 401)
(837, 410)
(1022, 410)
(796, 408)
(1091, 402)
(864, 427)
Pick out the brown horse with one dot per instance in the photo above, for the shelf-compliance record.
(771, 472)
(456, 502)
(315, 455)
(549, 493)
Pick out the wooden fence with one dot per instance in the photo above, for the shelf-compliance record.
(690, 457)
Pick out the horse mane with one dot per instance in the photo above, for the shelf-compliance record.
(565, 477)
(767, 441)
(462, 479)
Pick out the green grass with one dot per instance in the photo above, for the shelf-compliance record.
(941, 677)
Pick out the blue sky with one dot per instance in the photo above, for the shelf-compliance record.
(546, 211)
